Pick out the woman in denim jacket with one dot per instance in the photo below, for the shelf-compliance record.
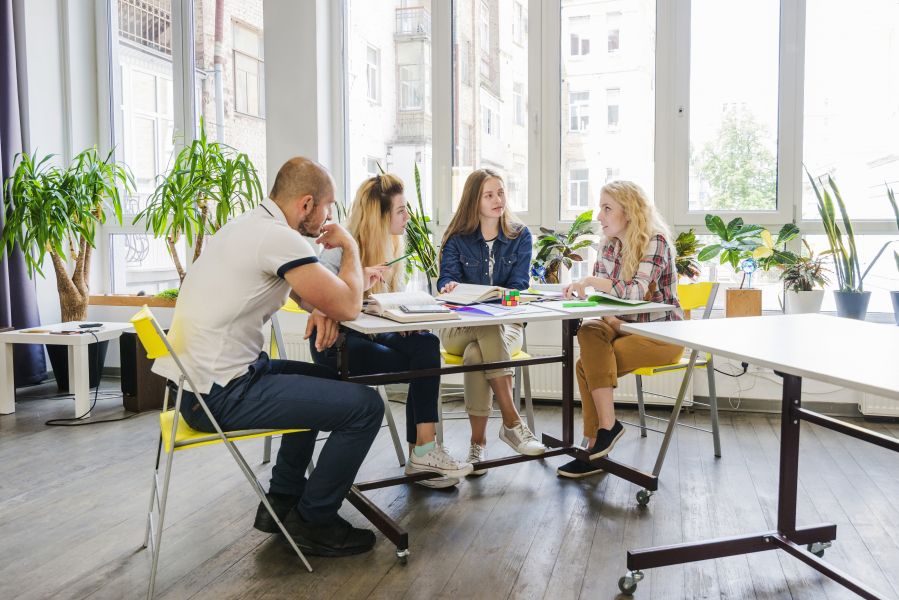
(485, 244)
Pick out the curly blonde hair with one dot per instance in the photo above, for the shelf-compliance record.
(369, 223)
(644, 221)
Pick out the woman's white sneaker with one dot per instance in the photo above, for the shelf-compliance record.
(520, 438)
(477, 453)
(438, 460)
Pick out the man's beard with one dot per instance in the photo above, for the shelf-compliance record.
(305, 228)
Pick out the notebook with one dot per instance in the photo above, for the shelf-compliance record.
(608, 299)
(408, 307)
(470, 293)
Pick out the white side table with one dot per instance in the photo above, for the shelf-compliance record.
(78, 362)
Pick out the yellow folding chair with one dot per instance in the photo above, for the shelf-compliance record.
(176, 435)
(279, 349)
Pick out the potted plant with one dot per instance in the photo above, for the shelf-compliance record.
(737, 242)
(852, 300)
(55, 211)
(686, 246)
(894, 295)
(419, 242)
(804, 282)
(209, 182)
(557, 251)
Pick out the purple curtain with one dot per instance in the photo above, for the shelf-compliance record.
(18, 301)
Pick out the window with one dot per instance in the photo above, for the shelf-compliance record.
(411, 88)
(372, 166)
(857, 142)
(518, 23)
(578, 187)
(612, 174)
(372, 73)
(613, 96)
(578, 111)
(733, 105)
(613, 27)
(490, 118)
(518, 102)
(579, 32)
(249, 78)
(465, 61)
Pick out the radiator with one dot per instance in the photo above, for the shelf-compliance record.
(878, 406)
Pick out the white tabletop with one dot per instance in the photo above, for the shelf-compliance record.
(854, 354)
(542, 311)
(107, 331)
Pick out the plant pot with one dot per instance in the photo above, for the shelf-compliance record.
(894, 296)
(743, 303)
(59, 359)
(852, 305)
(800, 303)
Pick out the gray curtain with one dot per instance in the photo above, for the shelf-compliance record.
(18, 301)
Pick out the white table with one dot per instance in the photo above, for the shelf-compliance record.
(543, 311)
(78, 362)
(845, 352)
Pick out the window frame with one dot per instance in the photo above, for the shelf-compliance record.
(260, 65)
(376, 68)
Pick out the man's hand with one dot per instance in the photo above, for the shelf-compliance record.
(449, 287)
(577, 289)
(372, 275)
(335, 235)
(326, 330)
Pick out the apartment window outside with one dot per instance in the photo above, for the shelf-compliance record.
(518, 23)
(249, 75)
(612, 174)
(484, 27)
(579, 35)
(578, 181)
(465, 61)
(613, 25)
(613, 98)
(518, 101)
(373, 73)
(371, 166)
(411, 87)
(578, 111)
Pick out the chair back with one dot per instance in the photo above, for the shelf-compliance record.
(697, 295)
(151, 336)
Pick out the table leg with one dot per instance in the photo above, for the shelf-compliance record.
(8, 388)
(79, 378)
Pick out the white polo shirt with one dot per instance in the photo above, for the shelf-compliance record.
(230, 294)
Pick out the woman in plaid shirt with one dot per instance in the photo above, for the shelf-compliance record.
(636, 261)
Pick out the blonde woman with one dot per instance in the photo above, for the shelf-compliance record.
(377, 221)
(636, 261)
(485, 244)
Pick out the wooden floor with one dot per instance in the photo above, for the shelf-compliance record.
(73, 502)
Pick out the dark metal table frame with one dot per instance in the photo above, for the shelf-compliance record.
(787, 536)
(555, 447)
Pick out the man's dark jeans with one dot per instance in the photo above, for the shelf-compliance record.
(285, 394)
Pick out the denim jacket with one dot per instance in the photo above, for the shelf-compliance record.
(464, 259)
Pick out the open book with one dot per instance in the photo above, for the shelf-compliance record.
(608, 299)
(408, 307)
(470, 293)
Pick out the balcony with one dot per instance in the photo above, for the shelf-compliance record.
(413, 23)
(147, 23)
(413, 127)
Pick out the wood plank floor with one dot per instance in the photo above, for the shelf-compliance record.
(73, 502)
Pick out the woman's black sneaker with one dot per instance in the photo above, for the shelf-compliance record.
(577, 469)
(605, 440)
(281, 504)
(333, 538)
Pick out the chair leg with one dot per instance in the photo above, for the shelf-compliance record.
(440, 420)
(528, 398)
(713, 406)
(152, 493)
(391, 424)
(157, 541)
(675, 414)
(640, 406)
(516, 388)
(267, 451)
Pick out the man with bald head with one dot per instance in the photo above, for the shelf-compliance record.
(244, 275)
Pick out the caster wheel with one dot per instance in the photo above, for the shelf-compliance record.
(628, 583)
(818, 548)
(643, 497)
(402, 556)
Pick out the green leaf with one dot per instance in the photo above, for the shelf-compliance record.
(709, 252)
(716, 226)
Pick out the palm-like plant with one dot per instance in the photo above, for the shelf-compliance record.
(892, 196)
(418, 236)
(209, 182)
(56, 211)
(686, 246)
(555, 248)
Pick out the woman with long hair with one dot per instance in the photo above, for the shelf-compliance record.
(636, 261)
(486, 244)
(377, 220)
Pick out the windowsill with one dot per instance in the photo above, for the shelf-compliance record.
(249, 115)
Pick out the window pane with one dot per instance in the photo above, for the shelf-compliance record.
(388, 93)
(619, 92)
(733, 105)
(490, 117)
(851, 127)
(141, 263)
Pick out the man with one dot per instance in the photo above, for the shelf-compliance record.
(243, 276)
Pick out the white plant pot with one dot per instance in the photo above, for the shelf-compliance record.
(799, 303)
(564, 275)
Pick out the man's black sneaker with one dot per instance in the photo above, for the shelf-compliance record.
(334, 538)
(605, 440)
(577, 469)
(281, 504)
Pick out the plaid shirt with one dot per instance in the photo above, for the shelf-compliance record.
(655, 280)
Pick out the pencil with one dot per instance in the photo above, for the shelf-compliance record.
(396, 260)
